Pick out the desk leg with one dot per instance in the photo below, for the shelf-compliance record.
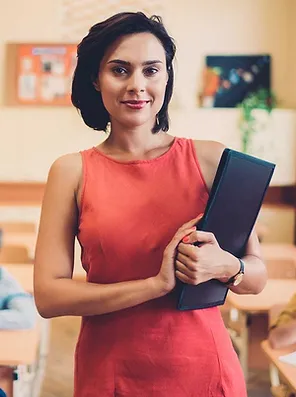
(18, 389)
(42, 358)
(244, 344)
(241, 338)
(22, 380)
(6, 380)
(274, 375)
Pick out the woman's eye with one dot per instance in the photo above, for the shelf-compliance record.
(119, 70)
(150, 71)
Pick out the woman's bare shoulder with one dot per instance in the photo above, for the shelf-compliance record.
(209, 154)
(66, 173)
(69, 165)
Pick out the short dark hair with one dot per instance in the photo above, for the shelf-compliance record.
(90, 53)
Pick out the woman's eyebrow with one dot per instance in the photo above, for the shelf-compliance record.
(126, 63)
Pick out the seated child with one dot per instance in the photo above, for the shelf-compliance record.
(17, 308)
(282, 332)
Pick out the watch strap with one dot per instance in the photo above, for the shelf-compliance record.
(241, 271)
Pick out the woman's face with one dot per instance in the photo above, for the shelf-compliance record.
(132, 79)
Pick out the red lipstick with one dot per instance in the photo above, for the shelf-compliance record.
(132, 104)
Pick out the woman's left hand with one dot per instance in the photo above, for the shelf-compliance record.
(197, 264)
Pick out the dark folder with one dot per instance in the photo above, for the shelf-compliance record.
(236, 197)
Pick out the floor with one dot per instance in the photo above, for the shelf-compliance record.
(58, 381)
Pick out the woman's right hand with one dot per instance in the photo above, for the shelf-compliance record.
(166, 279)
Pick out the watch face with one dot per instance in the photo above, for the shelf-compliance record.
(238, 279)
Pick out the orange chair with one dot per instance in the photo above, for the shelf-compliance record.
(14, 254)
(18, 227)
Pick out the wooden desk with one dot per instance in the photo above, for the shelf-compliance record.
(18, 348)
(276, 291)
(287, 371)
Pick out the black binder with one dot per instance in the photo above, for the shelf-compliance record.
(236, 197)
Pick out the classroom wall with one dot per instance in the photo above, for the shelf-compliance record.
(290, 77)
(34, 136)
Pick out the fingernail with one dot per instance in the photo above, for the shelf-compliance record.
(185, 239)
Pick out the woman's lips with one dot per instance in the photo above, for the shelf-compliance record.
(135, 104)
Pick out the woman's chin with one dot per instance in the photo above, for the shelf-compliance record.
(136, 121)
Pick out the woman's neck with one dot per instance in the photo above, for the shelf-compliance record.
(136, 141)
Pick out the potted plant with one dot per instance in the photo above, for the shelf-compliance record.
(262, 99)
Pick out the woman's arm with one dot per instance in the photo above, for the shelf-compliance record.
(56, 293)
(255, 276)
(227, 265)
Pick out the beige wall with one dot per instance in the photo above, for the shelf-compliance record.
(34, 137)
(291, 75)
(229, 27)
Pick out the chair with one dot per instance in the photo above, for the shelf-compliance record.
(281, 268)
(18, 227)
(14, 254)
(261, 230)
(280, 260)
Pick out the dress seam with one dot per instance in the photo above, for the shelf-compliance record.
(83, 186)
(198, 165)
(218, 359)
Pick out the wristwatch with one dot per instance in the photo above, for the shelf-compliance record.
(238, 277)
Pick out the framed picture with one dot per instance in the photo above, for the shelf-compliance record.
(228, 79)
(40, 74)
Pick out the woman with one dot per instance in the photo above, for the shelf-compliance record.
(131, 201)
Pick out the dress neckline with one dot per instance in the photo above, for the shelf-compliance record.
(131, 162)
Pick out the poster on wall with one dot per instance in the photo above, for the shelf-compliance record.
(228, 79)
(40, 74)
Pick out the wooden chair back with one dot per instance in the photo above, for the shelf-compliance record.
(14, 254)
(18, 227)
(281, 268)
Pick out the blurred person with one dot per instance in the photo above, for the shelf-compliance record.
(133, 202)
(282, 332)
(17, 308)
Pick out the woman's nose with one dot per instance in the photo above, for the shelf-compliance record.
(136, 83)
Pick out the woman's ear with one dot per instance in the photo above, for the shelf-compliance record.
(97, 85)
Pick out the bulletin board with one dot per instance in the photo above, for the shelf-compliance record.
(40, 74)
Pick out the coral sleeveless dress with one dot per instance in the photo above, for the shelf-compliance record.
(129, 213)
